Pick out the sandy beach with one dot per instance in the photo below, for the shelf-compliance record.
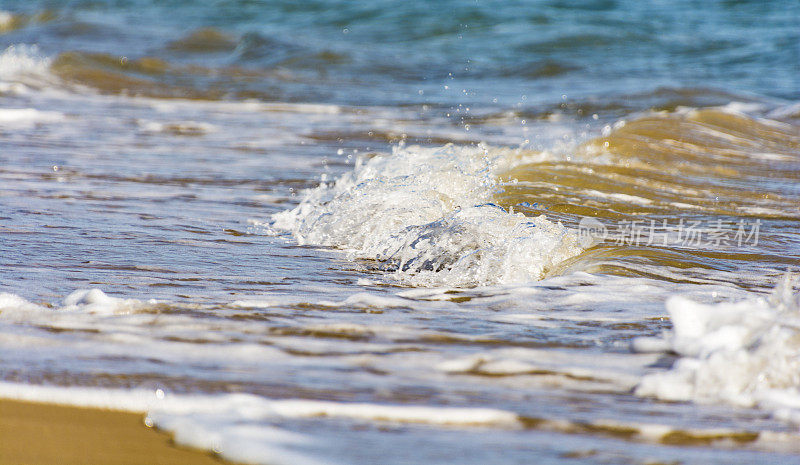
(35, 433)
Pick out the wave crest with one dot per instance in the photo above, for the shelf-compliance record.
(425, 214)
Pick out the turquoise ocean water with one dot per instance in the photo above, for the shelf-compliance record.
(401, 232)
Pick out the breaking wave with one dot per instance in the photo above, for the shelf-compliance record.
(427, 216)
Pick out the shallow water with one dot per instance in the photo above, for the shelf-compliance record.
(392, 233)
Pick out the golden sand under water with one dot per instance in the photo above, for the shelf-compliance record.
(149, 76)
(204, 40)
(10, 22)
(705, 166)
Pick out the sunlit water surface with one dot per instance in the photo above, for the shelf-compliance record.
(335, 233)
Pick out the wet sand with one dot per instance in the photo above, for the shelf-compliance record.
(34, 433)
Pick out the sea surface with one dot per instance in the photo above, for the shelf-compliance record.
(407, 232)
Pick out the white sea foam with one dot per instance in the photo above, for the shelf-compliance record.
(22, 66)
(85, 301)
(564, 367)
(26, 117)
(17, 59)
(190, 128)
(745, 353)
(255, 303)
(427, 215)
(237, 426)
(367, 300)
(254, 407)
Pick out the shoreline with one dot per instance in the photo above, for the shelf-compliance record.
(36, 433)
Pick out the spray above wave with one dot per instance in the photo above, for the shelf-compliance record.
(23, 67)
(425, 214)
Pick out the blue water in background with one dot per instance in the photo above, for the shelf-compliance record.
(493, 53)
